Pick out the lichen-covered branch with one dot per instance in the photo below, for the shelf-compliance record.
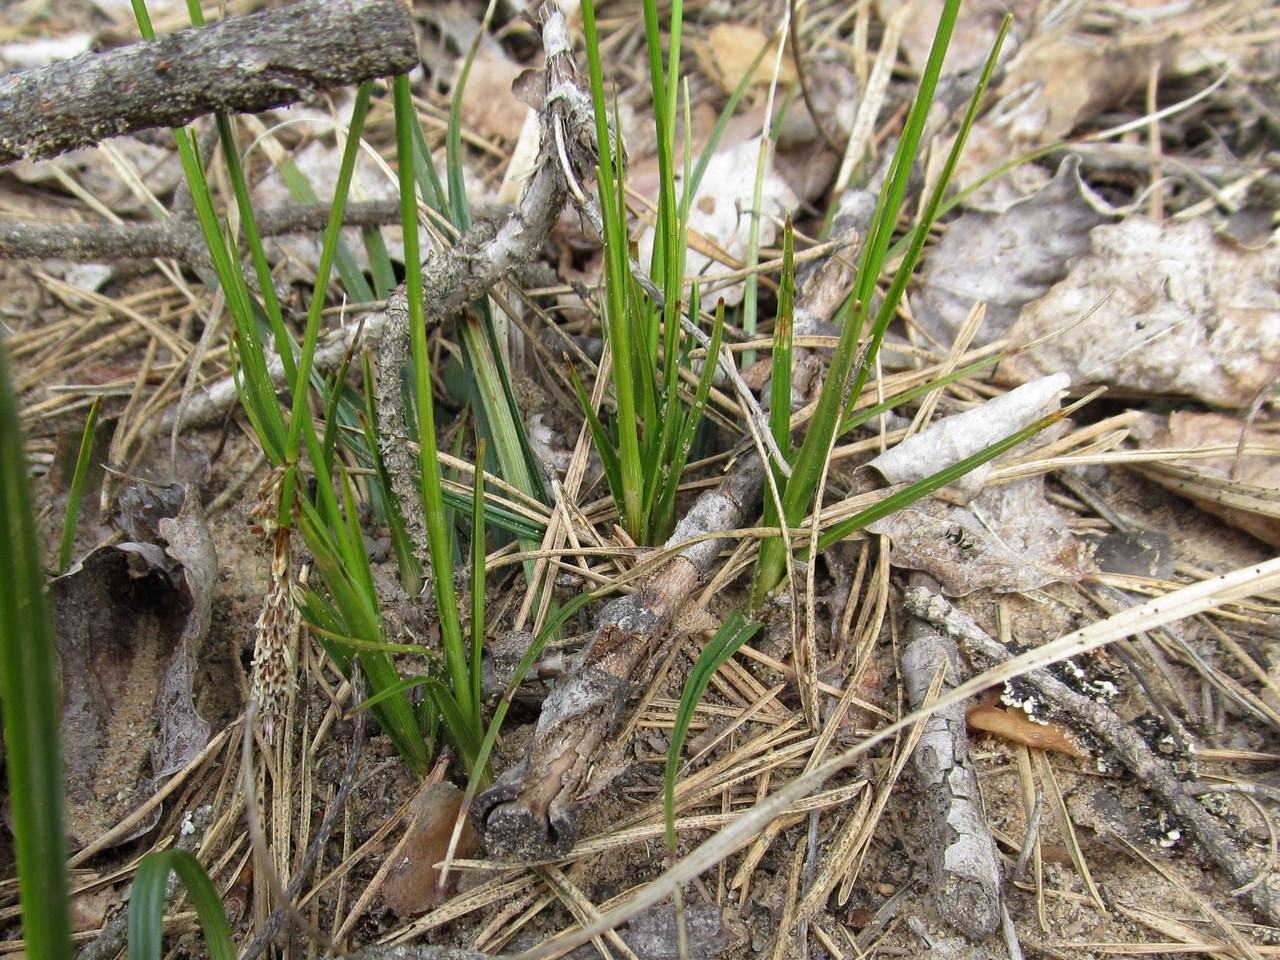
(240, 65)
(1106, 726)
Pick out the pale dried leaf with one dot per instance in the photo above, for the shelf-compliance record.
(720, 212)
(1185, 312)
(488, 105)
(954, 438)
(729, 50)
(974, 35)
(1006, 260)
(1069, 78)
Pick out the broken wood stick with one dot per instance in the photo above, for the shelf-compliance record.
(1107, 727)
(964, 873)
(240, 65)
(179, 238)
(530, 812)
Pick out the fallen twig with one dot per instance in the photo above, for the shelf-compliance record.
(1106, 726)
(177, 238)
(963, 870)
(243, 64)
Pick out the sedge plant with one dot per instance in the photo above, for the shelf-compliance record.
(646, 444)
(855, 353)
(313, 493)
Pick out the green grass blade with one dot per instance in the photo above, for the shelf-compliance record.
(30, 703)
(328, 251)
(83, 462)
(619, 328)
(920, 234)
(604, 445)
(146, 906)
(664, 510)
(783, 352)
(477, 588)
(733, 633)
(439, 539)
(285, 344)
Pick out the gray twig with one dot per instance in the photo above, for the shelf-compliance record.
(964, 872)
(530, 811)
(244, 64)
(177, 238)
(1107, 727)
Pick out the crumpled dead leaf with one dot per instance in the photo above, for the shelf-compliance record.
(1008, 539)
(1185, 312)
(126, 622)
(974, 34)
(411, 886)
(1247, 497)
(1057, 82)
(1006, 260)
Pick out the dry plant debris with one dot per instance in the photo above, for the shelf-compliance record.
(1166, 231)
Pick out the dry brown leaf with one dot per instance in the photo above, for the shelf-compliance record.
(1069, 78)
(1185, 312)
(1056, 83)
(412, 886)
(1249, 499)
(126, 622)
(488, 105)
(729, 49)
(1009, 540)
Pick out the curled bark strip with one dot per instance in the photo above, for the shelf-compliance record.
(1106, 726)
(529, 812)
(244, 64)
(963, 871)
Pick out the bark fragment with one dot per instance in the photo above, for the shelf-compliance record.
(530, 811)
